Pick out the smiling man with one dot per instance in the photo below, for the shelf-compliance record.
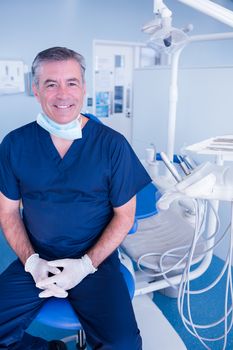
(77, 180)
(60, 89)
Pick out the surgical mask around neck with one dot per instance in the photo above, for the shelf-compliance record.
(70, 131)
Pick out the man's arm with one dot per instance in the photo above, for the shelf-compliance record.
(13, 228)
(114, 233)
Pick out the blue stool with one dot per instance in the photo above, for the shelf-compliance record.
(59, 313)
(134, 227)
(146, 201)
(149, 195)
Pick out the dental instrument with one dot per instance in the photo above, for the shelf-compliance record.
(170, 167)
(190, 163)
(202, 195)
(183, 165)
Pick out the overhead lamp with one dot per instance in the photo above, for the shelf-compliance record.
(162, 34)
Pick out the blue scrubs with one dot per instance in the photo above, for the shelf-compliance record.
(67, 204)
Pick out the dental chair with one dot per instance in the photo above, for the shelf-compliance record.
(160, 232)
(58, 313)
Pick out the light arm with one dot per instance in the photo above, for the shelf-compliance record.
(160, 26)
(211, 9)
(161, 9)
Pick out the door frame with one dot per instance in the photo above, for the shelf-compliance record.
(136, 51)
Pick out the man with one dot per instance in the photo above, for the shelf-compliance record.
(77, 180)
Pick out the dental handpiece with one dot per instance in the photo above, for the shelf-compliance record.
(189, 162)
(171, 167)
(183, 166)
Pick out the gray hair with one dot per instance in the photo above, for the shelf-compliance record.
(56, 54)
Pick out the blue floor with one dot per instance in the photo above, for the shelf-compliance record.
(205, 309)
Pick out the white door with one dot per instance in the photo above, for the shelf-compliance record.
(112, 97)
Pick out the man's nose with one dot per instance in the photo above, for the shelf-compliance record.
(62, 91)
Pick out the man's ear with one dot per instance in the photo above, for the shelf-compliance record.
(35, 91)
(85, 89)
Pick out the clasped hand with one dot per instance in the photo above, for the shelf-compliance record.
(72, 273)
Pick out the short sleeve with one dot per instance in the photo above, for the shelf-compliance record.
(9, 184)
(128, 176)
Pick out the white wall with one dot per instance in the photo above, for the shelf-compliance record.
(204, 107)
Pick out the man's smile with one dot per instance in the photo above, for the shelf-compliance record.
(63, 106)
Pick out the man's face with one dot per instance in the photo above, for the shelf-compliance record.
(61, 90)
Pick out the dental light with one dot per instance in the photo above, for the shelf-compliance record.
(162, 34)
(167, 39)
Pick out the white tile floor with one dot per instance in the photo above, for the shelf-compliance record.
(157, 333)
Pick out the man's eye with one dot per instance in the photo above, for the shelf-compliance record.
(73, 84)
(50, 85)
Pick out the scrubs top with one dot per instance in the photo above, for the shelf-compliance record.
(67, 202)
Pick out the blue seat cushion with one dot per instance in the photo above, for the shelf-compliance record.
(146, 202)
(59, 313)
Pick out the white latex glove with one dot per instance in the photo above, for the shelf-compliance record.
(40, 269)
(74, 271)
